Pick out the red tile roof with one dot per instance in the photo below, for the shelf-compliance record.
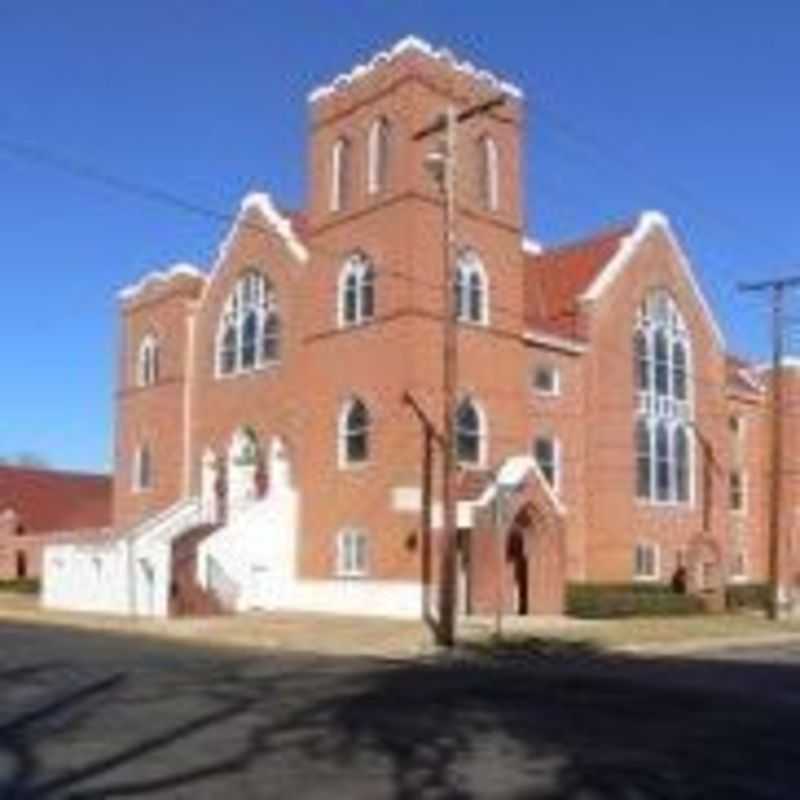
(46, 500)
(556, 277)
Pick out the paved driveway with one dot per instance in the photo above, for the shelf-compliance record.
(93, 715)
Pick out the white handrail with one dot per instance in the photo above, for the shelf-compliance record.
(221, 584)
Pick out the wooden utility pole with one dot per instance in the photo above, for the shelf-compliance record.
(778, 288)
(444, 163)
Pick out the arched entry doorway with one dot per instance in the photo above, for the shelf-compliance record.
(521, 566)
(517, 570)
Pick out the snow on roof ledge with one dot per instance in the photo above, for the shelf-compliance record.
(647, 223)
(531, 246)
(416, 44)
(176, 270)
(512, 475)
(282, 225)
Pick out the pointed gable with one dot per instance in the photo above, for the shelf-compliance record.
(558, 280)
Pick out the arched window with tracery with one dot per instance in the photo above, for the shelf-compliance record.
(248, 334)
(356, 291)
(471, 290)
(664, 402)
(379, 153)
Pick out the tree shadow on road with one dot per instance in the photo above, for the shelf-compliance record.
(564, 721)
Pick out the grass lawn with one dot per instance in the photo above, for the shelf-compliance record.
(644, 632)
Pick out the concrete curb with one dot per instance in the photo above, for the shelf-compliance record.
(707, 644)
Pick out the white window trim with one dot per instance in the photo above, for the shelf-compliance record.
(650, 406)
(137, 484)
(744, 576)
(343, 461)
(470, 263)
(744, 488)
(557, 459)
(374, 154)
(343, 567)
(336, 174)
(483, 436)
(358, 265)
(556, 372)
(491, 157)
(266, 303)
(147, 366)
(656, 576)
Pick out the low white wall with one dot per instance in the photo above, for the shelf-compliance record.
(86, 577)
(356, 597)
(129, 574)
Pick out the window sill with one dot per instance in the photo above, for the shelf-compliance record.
(476, 466)
(342, 325)
(243, 373)
(350, 576)
(675, 505)
(473, 323)
(646, 578)
(355, 466)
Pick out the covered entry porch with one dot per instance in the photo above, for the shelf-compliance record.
(514, 557)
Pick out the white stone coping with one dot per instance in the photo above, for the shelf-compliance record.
(415, 44)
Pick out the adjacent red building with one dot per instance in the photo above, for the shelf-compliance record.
(40, 506)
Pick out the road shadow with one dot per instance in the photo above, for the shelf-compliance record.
(548, 720)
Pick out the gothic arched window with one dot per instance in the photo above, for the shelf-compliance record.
(470, 433)
(248, 335)
(379, 147)
(142, 469)
(354, 433)
(340, 174)
(148, 361)
(488, 173)
(356, 291)
(471, 293)
(664, 402)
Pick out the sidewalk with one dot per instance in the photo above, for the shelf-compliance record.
(328, 634)
(325, 634)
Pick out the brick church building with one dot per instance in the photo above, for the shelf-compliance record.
(277, 412)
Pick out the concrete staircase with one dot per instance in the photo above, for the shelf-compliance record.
(187, 598)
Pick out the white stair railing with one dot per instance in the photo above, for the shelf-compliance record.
(221, 584)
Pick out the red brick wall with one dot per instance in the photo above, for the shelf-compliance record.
(322, 366)
(617, 519)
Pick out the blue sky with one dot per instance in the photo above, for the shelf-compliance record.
(690, 108)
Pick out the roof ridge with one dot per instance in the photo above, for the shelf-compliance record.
(66, 473)
(617, 230)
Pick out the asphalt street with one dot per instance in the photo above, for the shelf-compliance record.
(94, 715)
